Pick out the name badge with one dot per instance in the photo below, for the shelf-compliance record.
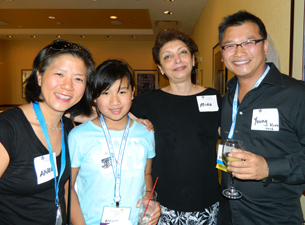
(219, 162)
(207, 103)
(114, 214)
(265, 120)
(43, 168)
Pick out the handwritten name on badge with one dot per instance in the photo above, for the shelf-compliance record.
(265, 119)
(113, 214)
(43, 168)
(207, 103)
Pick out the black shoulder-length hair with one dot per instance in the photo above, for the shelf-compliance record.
(238, 19)
(106, 74)
(42, 61)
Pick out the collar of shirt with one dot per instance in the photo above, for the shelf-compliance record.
(273, 77)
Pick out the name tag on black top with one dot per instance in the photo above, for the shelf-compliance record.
(207, 103)
(265, 119)
(43, 168)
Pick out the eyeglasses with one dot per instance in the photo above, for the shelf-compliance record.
(59, 45)
(245, 45)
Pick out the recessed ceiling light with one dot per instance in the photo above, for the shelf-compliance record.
(9, 36)
(3, 23)
(82, 36)
(109, 36)
(33, 36)
(116, 22)
(57, 36)
(133, 36)
(113, 17)
(51, 17)
(168, 12)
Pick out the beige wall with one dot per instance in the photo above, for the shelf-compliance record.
(274, 14)
(20, 55)
(298, 39)
(1, 72)
(298, 51)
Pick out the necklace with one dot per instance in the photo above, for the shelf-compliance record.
(53, 128)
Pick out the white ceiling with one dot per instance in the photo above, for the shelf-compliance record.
(186, 12)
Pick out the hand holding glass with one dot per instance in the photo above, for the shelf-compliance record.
(149, 204)
(228, 145)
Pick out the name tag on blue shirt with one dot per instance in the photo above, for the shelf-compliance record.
(112, 214)
(265, 120)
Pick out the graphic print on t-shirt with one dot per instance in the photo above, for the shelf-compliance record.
(132, 165)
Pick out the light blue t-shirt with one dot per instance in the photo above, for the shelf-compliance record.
(95, 182)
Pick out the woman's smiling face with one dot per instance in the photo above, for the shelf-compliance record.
(176, 61)
(63, 82)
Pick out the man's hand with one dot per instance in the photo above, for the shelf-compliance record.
(252, 167)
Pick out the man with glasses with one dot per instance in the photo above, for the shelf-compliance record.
(266, 110)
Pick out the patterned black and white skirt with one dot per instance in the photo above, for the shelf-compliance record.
(205, 217)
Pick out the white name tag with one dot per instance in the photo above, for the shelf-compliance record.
(207, 103)
(265, 119)
(113, 214)
(219, 154)
(220, 164)
(43, 168)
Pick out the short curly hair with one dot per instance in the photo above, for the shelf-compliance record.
(168, 35)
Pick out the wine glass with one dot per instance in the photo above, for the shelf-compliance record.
(228, 145)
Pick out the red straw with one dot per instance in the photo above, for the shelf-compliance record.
(150, 196)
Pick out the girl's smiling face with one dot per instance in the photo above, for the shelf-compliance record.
(115, 103)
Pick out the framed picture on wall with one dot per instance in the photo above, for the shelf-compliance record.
(219, 71)
(24, 75)
(146, 80)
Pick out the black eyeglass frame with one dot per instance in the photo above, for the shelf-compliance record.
(241, 44)
(59, 45)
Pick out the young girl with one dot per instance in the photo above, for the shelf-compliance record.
(111, 155)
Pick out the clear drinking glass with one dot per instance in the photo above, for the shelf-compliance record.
(228, 145)
(147, 204)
